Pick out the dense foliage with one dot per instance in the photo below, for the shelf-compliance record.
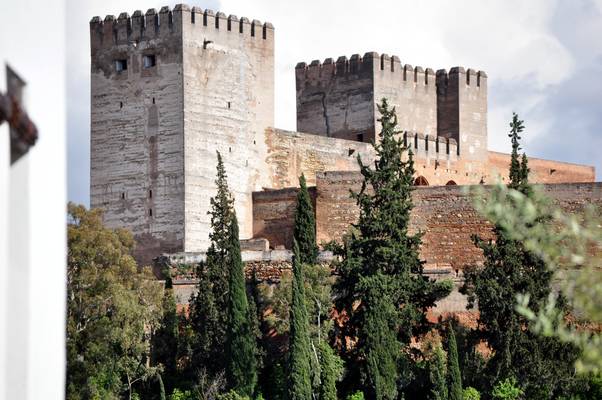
(112, 308)
(381, 290)
(543, 366)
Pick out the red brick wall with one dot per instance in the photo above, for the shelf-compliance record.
(274, 215)
(443, 213)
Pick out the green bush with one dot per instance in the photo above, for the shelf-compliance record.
(471, 393)
(356, 396)
(232, 395)
(177, 394)
(507, 389)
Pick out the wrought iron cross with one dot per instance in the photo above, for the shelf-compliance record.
(23, 132)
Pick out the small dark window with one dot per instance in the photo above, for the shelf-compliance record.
(153, 100)
(351, 151)
(150, 194)
(149, 61)
(150, 212)
(229, 104)
(121, 104)
(360, 137)
(254, 142)
(121, 65)
(122, 195)
(229, 149)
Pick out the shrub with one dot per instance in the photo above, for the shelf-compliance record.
(507, 389)
(471, 393)
(359, 395)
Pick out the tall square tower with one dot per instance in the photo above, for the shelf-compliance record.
(169, 90)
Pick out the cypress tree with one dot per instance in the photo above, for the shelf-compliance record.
(241, 347)
(207, 316)
(515, 173)
(542, 365)
(437, 374)
(305, 225)
(381, 289)
(328, 372)
(455, 379)
(299, 345)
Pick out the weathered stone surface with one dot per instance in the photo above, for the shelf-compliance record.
(156, 128)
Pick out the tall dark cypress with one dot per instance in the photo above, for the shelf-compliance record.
(455, 378)
(381, 288)
(207, 316)
(299, 345)
(241, 350)
(543, 366)
(305, 225)
(328, 372)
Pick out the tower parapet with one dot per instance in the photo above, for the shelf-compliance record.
(111, 31)
(462, 110)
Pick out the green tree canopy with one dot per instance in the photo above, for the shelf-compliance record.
(112, 308)
(543, 366)
(381, 289)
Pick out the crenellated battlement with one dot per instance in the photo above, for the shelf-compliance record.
(127, 29)
(431, 147)
(458, 74)
(342, 66)
(371, 61)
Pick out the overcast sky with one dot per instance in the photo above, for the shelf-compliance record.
(543, 58)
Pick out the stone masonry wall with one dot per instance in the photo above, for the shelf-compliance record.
(228, 73)
(274, 215)
(336, 99)
(136, 128)
(462, 110)
(411, 90)
(290, 154)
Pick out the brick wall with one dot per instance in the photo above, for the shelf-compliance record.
(274, 215)
(444, 214)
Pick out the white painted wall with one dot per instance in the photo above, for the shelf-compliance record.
(33, 208)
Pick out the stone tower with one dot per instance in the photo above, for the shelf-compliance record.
(169, 89)
(338, 99)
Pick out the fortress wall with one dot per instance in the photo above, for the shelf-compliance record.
(411, 90)
(444, 213)
(289, 154)
(274, 215)
(228, 73)
(136, 128)
(544, 171)
(336, 99)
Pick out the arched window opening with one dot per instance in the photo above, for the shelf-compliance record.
(421, 181)
(451, 183)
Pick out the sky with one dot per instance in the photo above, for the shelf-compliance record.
(543, 59)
